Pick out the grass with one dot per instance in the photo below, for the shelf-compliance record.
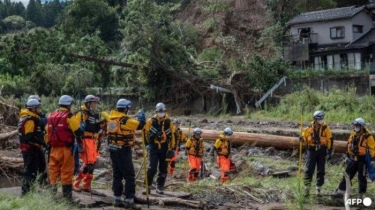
(339, 105)
(32, 201)
(289, 191)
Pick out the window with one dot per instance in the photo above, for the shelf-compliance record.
(338, 32)
(354, 61)
(357, 29)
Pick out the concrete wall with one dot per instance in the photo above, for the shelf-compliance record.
(328, 83)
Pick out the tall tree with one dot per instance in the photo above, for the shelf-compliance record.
(33, 13)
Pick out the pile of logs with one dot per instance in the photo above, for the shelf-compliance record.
(11, 163)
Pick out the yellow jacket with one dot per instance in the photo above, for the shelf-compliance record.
(166, 133)
(195, 146)
(179, 136)
(222, 145)
(365, 141)
(324, 132)
(29, 125)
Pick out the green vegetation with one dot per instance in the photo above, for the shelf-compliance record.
(32, 201)
(340, 106)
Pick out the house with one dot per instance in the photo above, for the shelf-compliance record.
(340, 38)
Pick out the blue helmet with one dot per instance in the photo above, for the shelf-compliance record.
(123, 104)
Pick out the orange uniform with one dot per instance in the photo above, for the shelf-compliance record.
(223, 147)
(61, 161)
(90, 153)
(195, 149)
(179, 137)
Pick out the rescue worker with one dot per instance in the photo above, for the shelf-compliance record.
(89, 117)
(179, 137)
(43, 179)
(319, 142)
(121, 139)
(222, 147)
(160, 142)
(31, 142)
(360, 142)
(62, 128)
(195, 149)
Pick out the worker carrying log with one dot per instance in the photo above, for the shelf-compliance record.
(222, 147)
(179, 137)
(360, 143)
(31, 141)
(160, 142)
(195, 149)
(318, 139)
(121, 139)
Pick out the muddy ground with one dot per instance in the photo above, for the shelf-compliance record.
(214, 195)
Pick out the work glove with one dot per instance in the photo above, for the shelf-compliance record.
(148, 147)
(329, 154)
(300, 139)
(142, 116)
(82, 126)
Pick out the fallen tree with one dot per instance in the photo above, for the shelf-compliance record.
(5, 136)
(262, 140)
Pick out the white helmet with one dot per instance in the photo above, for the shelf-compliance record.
(66, 100)
(160, 107)
(32, 103)
(228, 131)
(34, 97)
(197, 131)
(176, 121)
(359, 121)
(319, 115)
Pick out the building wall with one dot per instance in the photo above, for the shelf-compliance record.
(323, 28)
(362, 19)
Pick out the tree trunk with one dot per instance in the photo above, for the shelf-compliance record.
(5, 136)
(263, 140)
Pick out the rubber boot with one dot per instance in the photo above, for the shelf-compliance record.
(77, 182)
(67, 194)
(53, 189)
(129, 204)
(87, 182)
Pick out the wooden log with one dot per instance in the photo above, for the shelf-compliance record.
(262, 140)
(5, 136)
(169, 201)
(11, 160)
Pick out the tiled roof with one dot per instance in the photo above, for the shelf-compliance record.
(363, 41)
(329, 47)
(325, 15)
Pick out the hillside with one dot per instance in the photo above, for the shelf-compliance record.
(239, 25)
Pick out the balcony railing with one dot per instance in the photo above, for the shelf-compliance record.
(308, 38)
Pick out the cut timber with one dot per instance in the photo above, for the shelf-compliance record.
(169, 194)
(262, 140)
(5, 136)
(168, 200)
